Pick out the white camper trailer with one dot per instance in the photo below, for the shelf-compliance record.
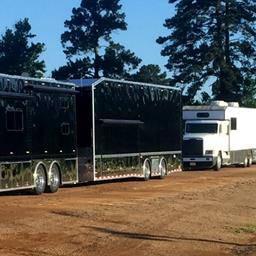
(218, 134)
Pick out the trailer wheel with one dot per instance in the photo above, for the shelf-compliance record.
(162, 168)
(249, 163)
(146, 169)
(245, 162)
(39, 180)
(54, 179)
(218, 163)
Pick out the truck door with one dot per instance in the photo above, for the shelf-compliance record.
(224, 136)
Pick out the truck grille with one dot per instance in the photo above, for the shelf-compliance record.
(192, 148)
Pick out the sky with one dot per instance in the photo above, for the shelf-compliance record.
(145, 19)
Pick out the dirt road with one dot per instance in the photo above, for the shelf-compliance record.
(190, 213)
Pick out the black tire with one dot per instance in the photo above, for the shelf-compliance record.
(163, 168)
(245, 162)
(218, 163)
(53, 179)
(39, 180)
(249, 163)
(146, 170)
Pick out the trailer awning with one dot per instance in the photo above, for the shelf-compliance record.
(121, 122)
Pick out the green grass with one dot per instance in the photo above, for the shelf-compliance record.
(250, 229)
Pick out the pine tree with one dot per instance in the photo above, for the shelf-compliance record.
(18, 54)
(212, 43)
(118, 62)
(89, 34)
(80, 68)
(150, 74)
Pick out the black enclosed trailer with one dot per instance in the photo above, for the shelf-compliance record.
(127, 129)
(37, 134)
(55, 133)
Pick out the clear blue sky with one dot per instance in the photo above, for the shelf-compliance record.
(145, 20)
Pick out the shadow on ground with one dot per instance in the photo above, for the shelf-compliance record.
(143, 236)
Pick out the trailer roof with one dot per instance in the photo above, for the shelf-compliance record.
(204, 107)
(40, 80)
(84, 82)
(95, 82)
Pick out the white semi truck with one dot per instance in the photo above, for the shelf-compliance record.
(218, 134)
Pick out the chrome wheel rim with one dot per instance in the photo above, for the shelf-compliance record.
(163, 168)
(54, 177)
(146, 169)
(39, 178)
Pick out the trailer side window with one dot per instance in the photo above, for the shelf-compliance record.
(14, 120)
(233, 123)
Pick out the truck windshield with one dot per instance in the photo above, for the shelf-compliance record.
(201, 128)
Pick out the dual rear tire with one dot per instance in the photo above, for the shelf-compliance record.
(40, 179)
(162, 169)
(247, 162)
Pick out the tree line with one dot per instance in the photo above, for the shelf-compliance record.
(211, 49)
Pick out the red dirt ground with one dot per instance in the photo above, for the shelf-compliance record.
(189, 213)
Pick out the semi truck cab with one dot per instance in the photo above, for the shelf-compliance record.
(204, 142)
